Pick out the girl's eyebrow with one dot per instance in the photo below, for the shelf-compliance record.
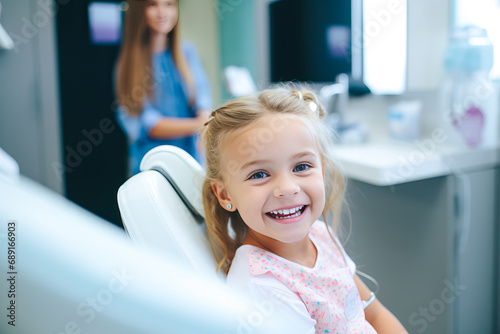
(307, 153)
(251, 163)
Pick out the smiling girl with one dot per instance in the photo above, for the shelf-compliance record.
(270, 176)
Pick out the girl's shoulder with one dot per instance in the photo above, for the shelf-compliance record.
(322, 233)
(269, 293)
(324, 237)
(240, 274)
(319, 228)
(239, 266)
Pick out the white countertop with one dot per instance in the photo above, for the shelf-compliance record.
(384, 161)
(388, 162)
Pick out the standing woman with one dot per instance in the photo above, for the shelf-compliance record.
(163, 92)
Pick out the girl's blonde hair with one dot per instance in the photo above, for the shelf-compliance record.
(134, 77)
(238, 114)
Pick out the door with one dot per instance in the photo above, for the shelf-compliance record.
(95, 149)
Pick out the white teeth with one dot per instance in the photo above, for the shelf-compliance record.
(288, 217)
(290, 213)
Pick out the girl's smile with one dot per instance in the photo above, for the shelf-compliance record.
(288, 216)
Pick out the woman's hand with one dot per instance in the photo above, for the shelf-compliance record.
(178, 127)
(202, 116)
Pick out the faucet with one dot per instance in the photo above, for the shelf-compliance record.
(335, 99)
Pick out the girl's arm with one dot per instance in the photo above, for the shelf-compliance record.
(381, 319)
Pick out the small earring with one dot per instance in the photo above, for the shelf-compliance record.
(229, 206)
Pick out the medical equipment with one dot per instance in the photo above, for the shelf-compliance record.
(369, 301)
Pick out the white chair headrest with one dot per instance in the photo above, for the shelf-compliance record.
(183, 172)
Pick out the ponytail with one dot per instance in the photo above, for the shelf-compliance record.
(217, 218)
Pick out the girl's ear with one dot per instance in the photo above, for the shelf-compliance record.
(220, 192)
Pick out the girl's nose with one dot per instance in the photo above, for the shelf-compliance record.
(286, 187)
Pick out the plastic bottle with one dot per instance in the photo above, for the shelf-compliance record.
(469, 107)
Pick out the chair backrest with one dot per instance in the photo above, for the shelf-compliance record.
(162, 209)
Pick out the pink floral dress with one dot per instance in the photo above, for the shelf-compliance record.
(328, 289)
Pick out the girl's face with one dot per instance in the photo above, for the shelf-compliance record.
(161, 15)
(274, 177)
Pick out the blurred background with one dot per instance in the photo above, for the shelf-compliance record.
(56, 84)
(390, 72)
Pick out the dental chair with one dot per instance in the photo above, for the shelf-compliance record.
(66, 270)
(162, 209)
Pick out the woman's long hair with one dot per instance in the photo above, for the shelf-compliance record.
(237, 115)
(135, 79)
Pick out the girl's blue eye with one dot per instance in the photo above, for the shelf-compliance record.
(301, 168)
(258, 175)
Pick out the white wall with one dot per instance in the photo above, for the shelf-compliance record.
(200, 25)
(29, 103)
(428, 25)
